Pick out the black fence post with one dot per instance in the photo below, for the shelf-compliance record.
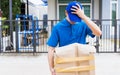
(11, 22)
(1, 39)
(51, 24)
(16, 36)
(97, 38)
(115, 36)
(119, 34)
(34, 36)
(0, 31)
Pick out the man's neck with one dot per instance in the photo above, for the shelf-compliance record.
(69, 21)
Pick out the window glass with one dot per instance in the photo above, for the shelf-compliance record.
(113, 13)
(67, 1)
(62, 7)
(87, 10)
(62, 11)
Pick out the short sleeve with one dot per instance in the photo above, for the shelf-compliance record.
(53, 39)
(89, 32)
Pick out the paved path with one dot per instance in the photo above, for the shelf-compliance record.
(106, 64)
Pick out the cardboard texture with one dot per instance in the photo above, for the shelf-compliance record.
(75, 59)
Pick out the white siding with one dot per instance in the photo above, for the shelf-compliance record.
(106, 15)
(51, 10)
(96, 9)
(118, 9)
(105, 9)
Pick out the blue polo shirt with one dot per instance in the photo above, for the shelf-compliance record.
(65, 33)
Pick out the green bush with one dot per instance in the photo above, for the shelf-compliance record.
(16, 4)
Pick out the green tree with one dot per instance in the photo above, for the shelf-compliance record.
(15, 8)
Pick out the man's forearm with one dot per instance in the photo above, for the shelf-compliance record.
(95, 29)
(51, 57)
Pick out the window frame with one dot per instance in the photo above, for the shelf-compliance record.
(116, 8)
(60, 4)
(112, 26)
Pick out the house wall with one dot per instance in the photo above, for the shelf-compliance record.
(118, 9)
(105, 9)
(118, 30)
(107, 28)
(107, 31)
(38, 13)
(96, 9)
(106, 15)
(51, 10)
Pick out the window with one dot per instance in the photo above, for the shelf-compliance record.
(62, 11)
(113, 15)
(87, 10)
(45, 18)
(67, 1)
(113, 11)
(63, 3)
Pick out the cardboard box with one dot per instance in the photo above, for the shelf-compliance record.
(75, 59)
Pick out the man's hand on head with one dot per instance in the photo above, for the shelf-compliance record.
(78, 11)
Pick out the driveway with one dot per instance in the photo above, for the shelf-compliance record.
(106, 64)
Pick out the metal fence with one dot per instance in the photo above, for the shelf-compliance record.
(30, 36)
(109, 42)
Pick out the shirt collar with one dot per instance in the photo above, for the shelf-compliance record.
(66, 23)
